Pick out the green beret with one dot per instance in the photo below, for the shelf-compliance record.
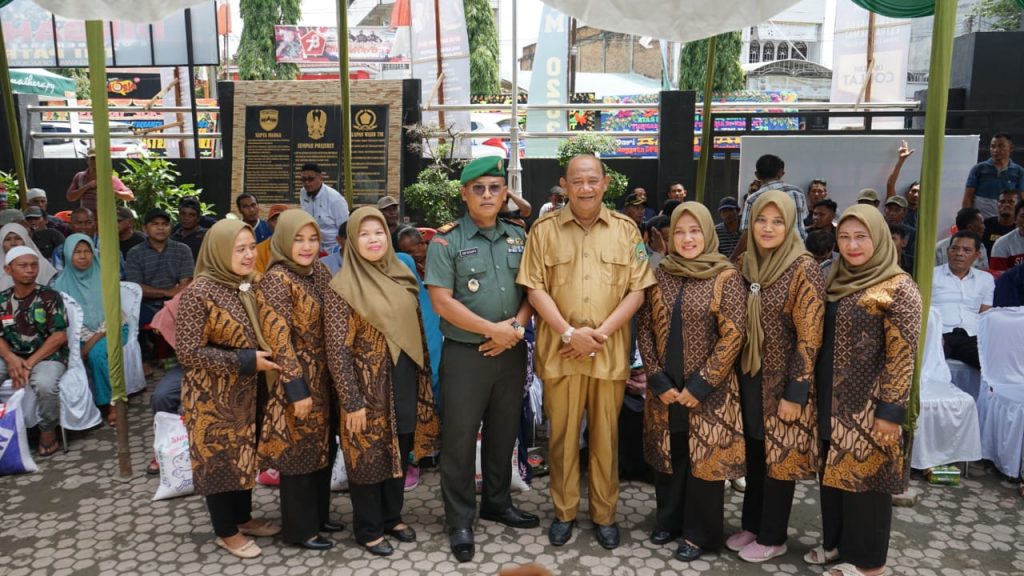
(487, 166)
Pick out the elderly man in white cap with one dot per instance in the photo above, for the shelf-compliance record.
(37, 197)
(33, 340)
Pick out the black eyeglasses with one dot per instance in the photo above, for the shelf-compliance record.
(308, 178)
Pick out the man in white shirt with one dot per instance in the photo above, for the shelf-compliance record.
(961, 294)
(966, 219)
(555, 201)
(325, 204)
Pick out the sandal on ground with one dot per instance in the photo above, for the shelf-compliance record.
(261, 528)
(153, 469)
(247, 550)
(819, 556)
(48, 449)
(847, 569)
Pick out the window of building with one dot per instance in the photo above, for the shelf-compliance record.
(783, 51)
(799, 51)
(755, 51)
(768, 53)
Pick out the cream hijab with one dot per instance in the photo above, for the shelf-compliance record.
(844, 279)
(708, 263)
(385, 293)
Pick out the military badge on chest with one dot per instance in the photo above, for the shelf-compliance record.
(515, 245)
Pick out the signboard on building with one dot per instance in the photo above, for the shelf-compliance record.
(280, 139)
(850, 61)
(319, 44)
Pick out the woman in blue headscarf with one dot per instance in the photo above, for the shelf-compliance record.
(80, 279)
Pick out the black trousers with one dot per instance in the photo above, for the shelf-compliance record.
(377, 508)
(858, 523)
(958, 345)
(478, 388)
(305, 504)
(687, 504)
(767, 501)
(228, 510)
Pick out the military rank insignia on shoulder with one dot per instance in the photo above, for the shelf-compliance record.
(448, 227)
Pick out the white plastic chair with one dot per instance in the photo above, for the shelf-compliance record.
(947, 426)
(78, 411)
(965, 377)
(134, 378)
(1001, 401)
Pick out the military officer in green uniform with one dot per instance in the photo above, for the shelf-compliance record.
(471, 275)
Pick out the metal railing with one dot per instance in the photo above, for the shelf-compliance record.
(845, 109)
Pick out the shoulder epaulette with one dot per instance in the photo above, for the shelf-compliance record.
(517, 223)
(448, 227)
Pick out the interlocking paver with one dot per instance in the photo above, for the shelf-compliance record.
(74, 518)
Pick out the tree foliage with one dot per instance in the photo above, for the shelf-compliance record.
(483, 47)
(1005, 15)
(728, 74)
(255, 54)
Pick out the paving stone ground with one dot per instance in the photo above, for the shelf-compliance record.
(74, 518)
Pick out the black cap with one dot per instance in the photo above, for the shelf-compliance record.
(312, 167)
(633, 199)
(155, 213)
(728, 202)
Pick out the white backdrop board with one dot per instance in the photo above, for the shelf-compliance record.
(850, 163)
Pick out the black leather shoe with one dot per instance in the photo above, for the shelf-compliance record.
(661, 537)
(513, 517)
(560, 532)
(688, 552)
(607, 536)
(382, 548)
(406, 534)
(317, 542)
(332, 526)
(461, 541)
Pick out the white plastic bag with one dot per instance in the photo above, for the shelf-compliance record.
(518, 483)
(15, 457)
(170, 444)
(339, 476)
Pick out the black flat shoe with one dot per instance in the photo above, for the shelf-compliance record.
(511, 516)
(461, 541)
(688, 552)
(317, 543)
(662, 537)
(560, 532)
(607, 536)
(382, 548)
(406, 534)
(332, 526)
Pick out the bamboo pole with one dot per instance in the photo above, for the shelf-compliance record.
(931, 174)
(106, 218)
(707, 124)
(13, 132)
(346, 103)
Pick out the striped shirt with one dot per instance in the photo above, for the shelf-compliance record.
(166, 269)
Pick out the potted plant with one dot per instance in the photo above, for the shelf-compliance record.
(154, 182)
(435, 194)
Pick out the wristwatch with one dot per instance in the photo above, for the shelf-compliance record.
(518, 328)
(567, 335)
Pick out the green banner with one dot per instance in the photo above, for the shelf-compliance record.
(903, 8)
(40, 82)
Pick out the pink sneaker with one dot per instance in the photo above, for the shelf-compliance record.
(412, 477)
(739, 540)
(755, 552)
(269, 477)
